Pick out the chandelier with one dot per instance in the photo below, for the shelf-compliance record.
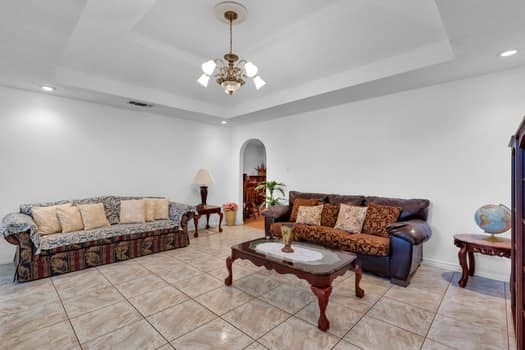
(231, 73)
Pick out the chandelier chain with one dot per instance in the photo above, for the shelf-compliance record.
(231, 35)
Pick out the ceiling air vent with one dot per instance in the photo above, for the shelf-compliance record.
(140, 104)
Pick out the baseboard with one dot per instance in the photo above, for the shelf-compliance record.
(454, 267)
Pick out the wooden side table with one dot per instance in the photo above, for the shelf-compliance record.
(476, 243)
(207, 210)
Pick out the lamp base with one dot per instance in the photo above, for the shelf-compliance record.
(204, 195)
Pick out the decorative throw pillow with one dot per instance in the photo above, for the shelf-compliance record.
(46, 219)
(149, 209)
(132, 211)
(329, 215)
(301, 202)
(351, 218)
(162, 207)
(378, 217)
(310, 215)
(93, 216)
(70, 219)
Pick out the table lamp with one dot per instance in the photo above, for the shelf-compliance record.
(204, 179)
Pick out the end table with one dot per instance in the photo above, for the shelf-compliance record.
(207, 210)
(476, 243)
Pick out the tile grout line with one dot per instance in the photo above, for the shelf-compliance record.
(436, 313)
(133, 306)
(65, 311)
(363, 316)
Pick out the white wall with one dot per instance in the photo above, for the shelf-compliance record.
(447, 143)
(254, 156)
(53, 148)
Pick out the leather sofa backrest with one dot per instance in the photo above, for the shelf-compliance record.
(410, 208)
(328, 198)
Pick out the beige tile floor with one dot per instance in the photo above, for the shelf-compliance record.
(177, 299)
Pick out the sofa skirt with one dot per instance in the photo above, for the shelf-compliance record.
(30, 267)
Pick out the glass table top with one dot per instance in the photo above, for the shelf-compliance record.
(307, 257)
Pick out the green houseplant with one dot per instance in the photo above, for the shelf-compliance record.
(270, 188)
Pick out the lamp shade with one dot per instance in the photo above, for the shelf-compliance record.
(203, 178)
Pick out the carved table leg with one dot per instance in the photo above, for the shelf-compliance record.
(196, 223)
(229, 280)
(207, 221)
(322, 295)
(471, 263)
(462, 255)
(220, 221)
(359, 292)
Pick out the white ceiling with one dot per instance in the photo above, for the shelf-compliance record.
(312, 53)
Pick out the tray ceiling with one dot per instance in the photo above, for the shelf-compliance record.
(151, 50)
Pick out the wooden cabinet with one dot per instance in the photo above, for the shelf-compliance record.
(252, 199)
(517, 143)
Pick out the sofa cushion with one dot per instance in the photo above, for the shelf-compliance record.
(46, 219)
(349, 200)
(378, 217)
(310, 215)
(132, 211)
(162, 209)
(302, 202)
(110, 206)
(70, 219)
(93, 216)
(329, 215)
(359, 243)
(275, 228)
(59, 242)
(351, 218)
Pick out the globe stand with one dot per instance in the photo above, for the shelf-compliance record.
(493, 238)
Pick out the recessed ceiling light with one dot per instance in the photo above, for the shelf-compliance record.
(48, 88)
(224, 122)
(508, 53)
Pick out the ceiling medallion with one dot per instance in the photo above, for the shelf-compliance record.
(231, 73)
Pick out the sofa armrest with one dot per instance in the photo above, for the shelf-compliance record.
(181, 213)
(278, 212)
(412, 231)
(14, 224)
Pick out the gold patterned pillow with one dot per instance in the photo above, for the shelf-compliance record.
(309, 215)
(378, 217)
(351, 218)
(329, 215)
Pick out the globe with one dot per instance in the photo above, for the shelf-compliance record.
(493, 218)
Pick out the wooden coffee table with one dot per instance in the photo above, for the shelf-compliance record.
(318, 265)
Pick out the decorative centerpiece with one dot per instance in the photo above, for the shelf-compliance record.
(230, 210)
(287, 234)
(493, 219)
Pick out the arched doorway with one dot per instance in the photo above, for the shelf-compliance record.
(253, 173)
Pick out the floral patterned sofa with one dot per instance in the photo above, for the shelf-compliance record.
(43, 256)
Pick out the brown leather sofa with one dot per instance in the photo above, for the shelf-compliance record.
(397, 256)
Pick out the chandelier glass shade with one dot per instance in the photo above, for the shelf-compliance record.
(230, 72)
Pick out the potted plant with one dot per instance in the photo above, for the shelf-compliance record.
(270, 187)
(230, 209)
(261, 170)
